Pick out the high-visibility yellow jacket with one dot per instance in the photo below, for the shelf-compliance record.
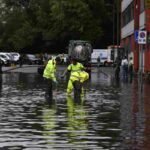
(77, 67)
(50, 69)
(80, 76)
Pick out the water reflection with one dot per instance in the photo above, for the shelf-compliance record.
(146, 98)
(0, 84)
(111, 115)
(77, 122)
(49, 122)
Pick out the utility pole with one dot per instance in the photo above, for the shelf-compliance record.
(113, 6)
(118, 21)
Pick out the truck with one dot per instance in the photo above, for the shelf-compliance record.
(116, 52)
(104, 55)
(81, 50)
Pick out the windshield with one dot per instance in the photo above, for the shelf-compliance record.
(31, 56)
(3, 56)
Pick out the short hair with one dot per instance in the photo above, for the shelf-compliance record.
(74, 59)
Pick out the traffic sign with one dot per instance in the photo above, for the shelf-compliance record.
(142, 37)
(136, 34)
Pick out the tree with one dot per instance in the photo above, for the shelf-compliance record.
(57, 21)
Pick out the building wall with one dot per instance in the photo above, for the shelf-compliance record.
(125, 4)
(141, 21)
(127, 30)
(147, 51)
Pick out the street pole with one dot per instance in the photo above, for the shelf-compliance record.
(142, 41)
(112, 6)
(113, 25)
(118, 11)
(141, 69)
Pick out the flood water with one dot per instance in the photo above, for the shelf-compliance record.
(111, 116)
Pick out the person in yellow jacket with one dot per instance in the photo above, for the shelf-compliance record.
(49, 76)
(74, 69)
(76, 81)
(74, 66)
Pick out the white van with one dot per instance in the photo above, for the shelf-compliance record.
(105, 56)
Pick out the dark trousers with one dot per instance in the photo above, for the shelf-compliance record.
(77, 90)
(117, 72)
(49, 88)
(125, 72)
(131, 72)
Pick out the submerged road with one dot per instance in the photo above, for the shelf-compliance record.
(33, 69)
(112, 114)
(24, 68)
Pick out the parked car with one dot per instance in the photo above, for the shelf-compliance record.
(15, 56)
(4, 61)
(11, 58)
(31, 59)
(6, 57)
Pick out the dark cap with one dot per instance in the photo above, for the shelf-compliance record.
(50, 57)
(74, 59)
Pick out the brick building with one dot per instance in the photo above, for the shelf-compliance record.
(135, 16)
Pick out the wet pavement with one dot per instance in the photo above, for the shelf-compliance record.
(111, 116)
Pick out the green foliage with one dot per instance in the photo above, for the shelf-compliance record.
(56, 20)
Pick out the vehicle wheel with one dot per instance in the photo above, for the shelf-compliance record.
(2, 63)
(106, 64)
(7, 65)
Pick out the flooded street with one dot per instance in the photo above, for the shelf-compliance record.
(111, 116)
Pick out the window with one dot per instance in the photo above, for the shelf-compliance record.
(142, 5)
(128, 14)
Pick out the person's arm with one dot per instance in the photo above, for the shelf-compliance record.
(66, 70)
(64, 73)
(82, 67)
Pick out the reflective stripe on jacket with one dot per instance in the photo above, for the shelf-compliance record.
(80, 76)
(77, 67)
(50, 69)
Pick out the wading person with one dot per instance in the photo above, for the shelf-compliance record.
(130, 69)
(49, 76)
(98, 61)
(20, 60)
(76, 82)
(74, 66)
(72, 69)
(117, 69)
(124, 65)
